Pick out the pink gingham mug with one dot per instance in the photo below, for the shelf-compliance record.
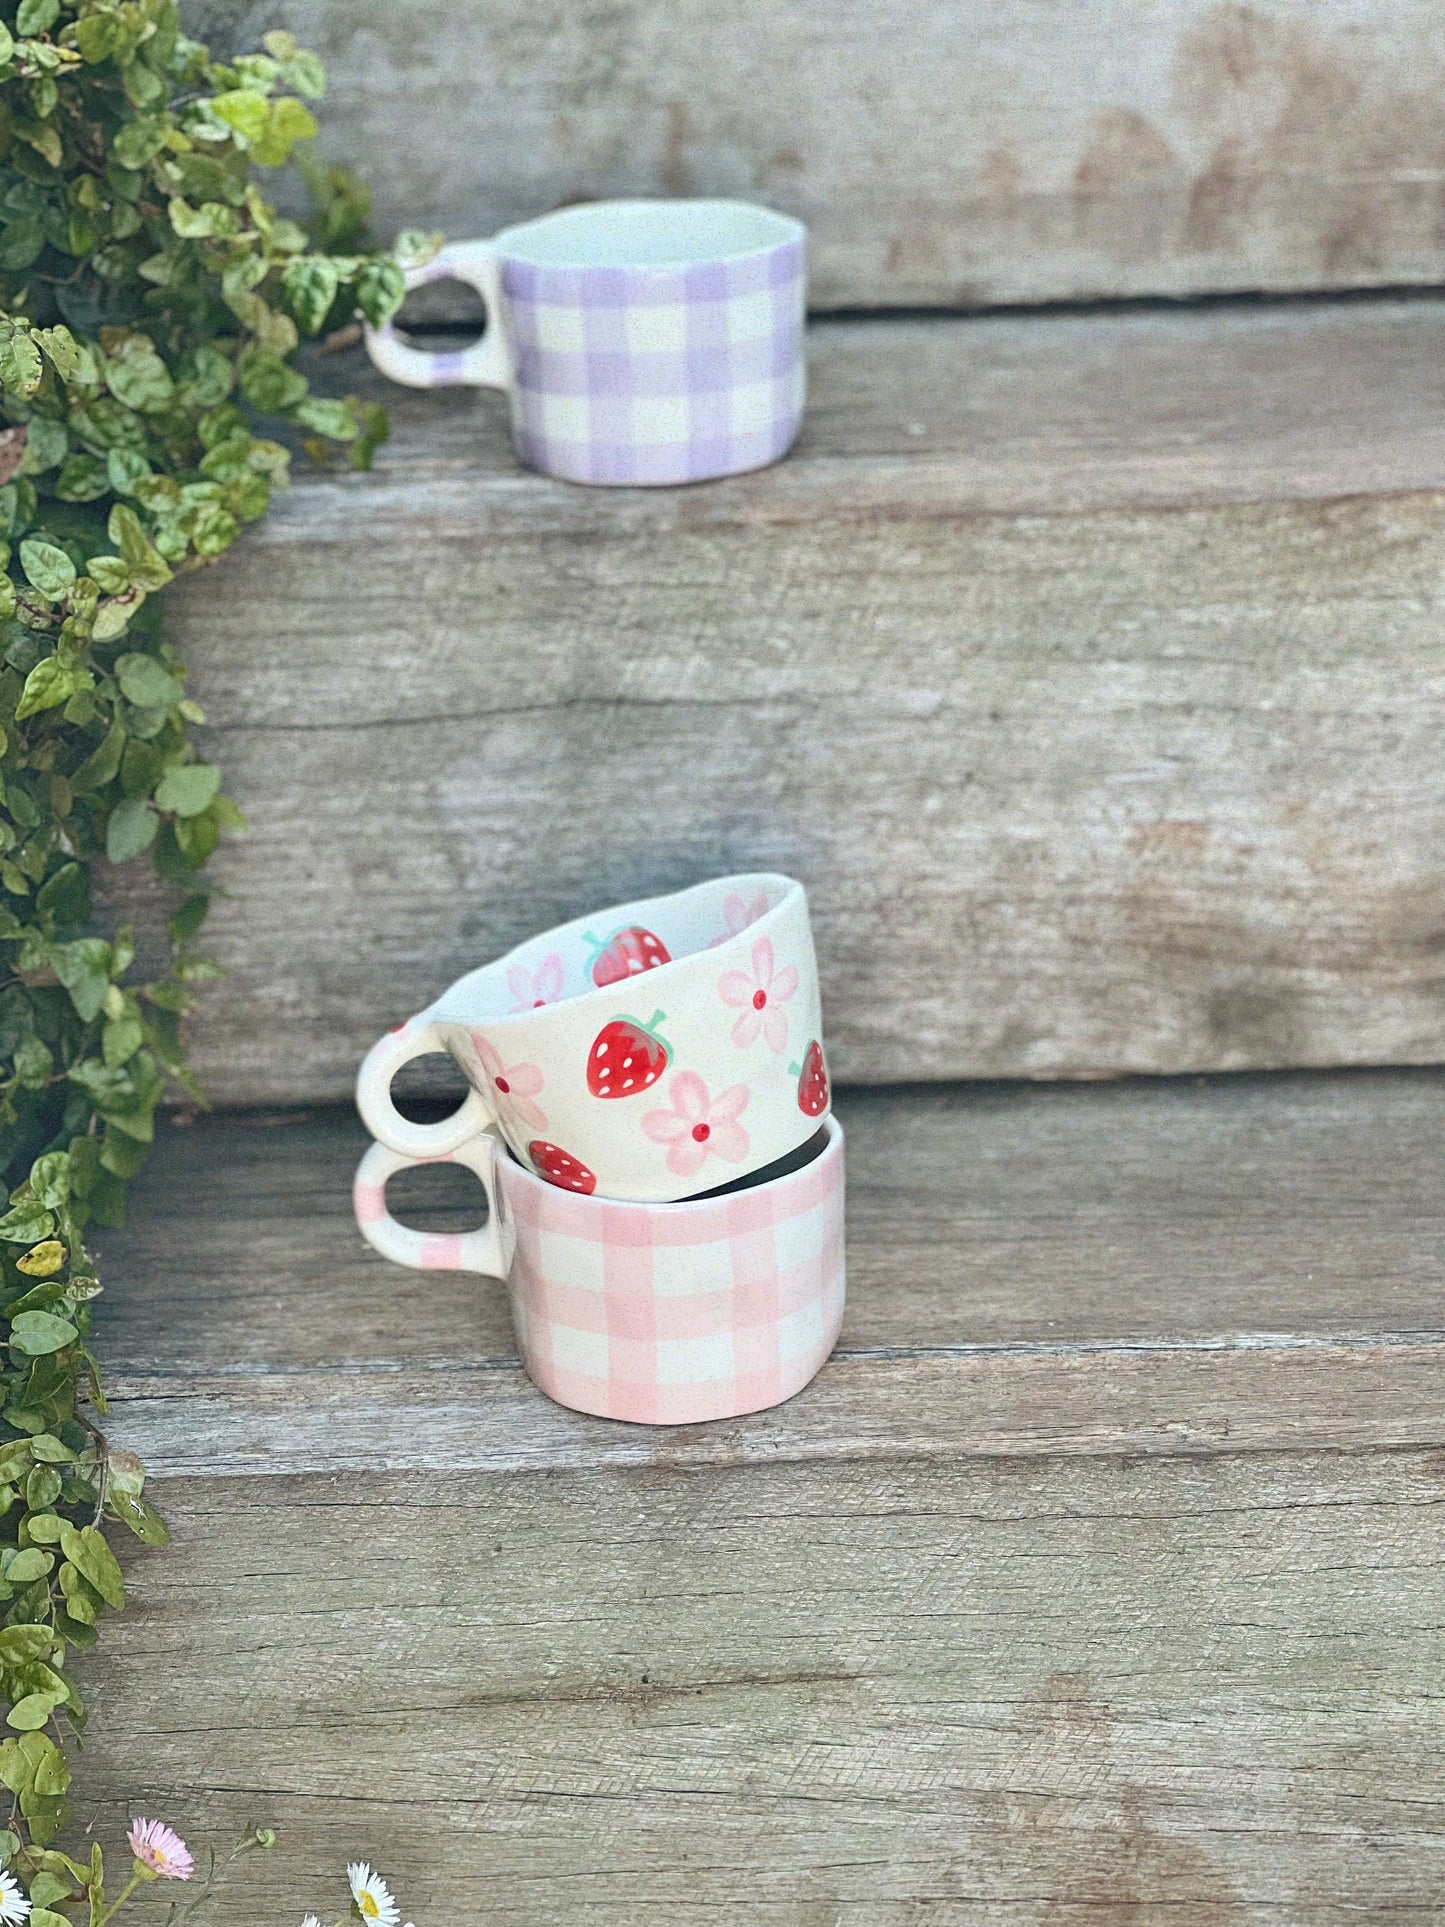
(637, 341)
(661, 1314)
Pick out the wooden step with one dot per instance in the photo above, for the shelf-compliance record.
(957, 152)
(1096, 1578)
(1087, 670)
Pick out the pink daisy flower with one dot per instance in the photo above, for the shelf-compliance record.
(699, 1127)
(738, 913)
(759, 994)
(509, 1088)
(161, 1849)
(532, 988)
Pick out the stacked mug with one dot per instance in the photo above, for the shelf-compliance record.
(649, 1115)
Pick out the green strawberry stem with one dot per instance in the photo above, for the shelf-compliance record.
(649, 1029)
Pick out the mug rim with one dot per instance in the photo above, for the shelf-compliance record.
(586, 1202)
(788, 229)
(435, 1012)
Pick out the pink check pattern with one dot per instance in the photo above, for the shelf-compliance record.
(665, 1318)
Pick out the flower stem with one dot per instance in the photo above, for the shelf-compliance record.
(124, 1895)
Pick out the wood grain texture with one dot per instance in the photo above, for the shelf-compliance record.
(1078, 1591)
(1087, 671)
(1240, 1264)
(1068, 1693)
(946, 152)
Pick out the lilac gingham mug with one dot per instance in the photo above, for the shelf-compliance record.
(638, 341)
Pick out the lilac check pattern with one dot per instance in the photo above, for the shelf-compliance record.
(657, 375)
(666, 1318)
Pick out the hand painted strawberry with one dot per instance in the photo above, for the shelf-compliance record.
(560, 1167)
(812, 1081)
(626, 1057)
(626, 953)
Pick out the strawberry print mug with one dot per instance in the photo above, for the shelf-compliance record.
(661, 1314)
(649, 1052)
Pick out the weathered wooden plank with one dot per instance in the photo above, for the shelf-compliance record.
(1150, 1212)
(1102, 725)
(1020, 1694)
(1240, 1265)
(943, 153)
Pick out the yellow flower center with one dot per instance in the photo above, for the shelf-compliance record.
(366, 1905)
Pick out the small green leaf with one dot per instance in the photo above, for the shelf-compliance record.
(100, 766)
(140, 380)
(32, 1563)
(49, 569)
(97, 36)
(20, 1643)
(146, 683)
(36, 17)
(268, 384)
(188, 788)
(46, 443)
(288, 122)
(50, 683)
(337, 420)
(31, 1713)
(19, 361)
(38, 1333)
(308, 286)
(28, 1223)
(109, 572)
(379, 289)
(88, 1552)
(131, 829)
(20, 244)
(142, 1518)
(42, 1488)
(83, 966)
(246, 113)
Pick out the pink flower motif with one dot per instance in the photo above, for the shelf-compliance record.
(532, 988)
(156, 1846)
(699, 1127)
(738, 913)
(509, 1088)
(759, 996)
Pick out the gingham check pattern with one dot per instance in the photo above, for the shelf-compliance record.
(669, 1319)
(649, 375)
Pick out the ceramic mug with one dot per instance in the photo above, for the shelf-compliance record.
(638, 341)
(662, 1314)
(650, 1052)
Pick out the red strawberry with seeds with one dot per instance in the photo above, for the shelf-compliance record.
(812, 1081)
(560, 1167)
(626, 953)
(626, 1057)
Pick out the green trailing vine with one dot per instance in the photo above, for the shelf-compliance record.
(151, 299)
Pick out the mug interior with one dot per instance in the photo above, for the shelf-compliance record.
(827, 1138)
(595, 953)
(783, 1167)
(648, 234)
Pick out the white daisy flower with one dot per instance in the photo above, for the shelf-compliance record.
(311, 1921)
(14, 1907)
(370, 1895)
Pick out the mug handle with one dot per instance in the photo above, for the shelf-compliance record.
(487, 363)
(416, 1142)
(483, 1250)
